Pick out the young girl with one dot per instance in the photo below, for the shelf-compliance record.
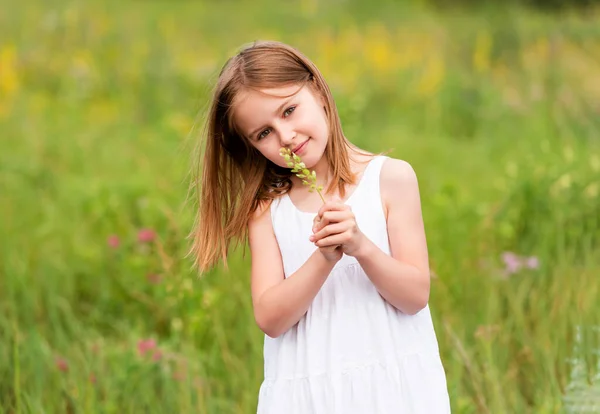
(339, 288)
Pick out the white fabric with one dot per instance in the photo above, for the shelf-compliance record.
(352, 352)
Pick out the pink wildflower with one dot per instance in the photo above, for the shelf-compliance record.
(532, 262)
(512, 262)
(113, 241)
(157, 355)
(62, 364)
(145, 345)
(146, 235)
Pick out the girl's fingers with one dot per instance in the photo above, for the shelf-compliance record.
(334, 228)
(330, 217)
(333, 206)
(316, 221)
(333, 240)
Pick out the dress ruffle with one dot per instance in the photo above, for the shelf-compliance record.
(414, 385)
(353, 352)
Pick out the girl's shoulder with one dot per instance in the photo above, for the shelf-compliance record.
(262, 209)
(397, 176)
(398, 182)
(395, 171)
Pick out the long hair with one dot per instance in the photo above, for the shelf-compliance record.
(233, 178)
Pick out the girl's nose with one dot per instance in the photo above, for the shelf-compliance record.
(287, 136)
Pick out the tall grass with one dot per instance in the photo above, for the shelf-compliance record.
(100, 102)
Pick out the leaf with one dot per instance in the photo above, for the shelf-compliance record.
(301, 175)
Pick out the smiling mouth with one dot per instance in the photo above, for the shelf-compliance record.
(299, 146)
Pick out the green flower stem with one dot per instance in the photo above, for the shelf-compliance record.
(299, 168)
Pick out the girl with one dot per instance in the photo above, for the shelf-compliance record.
(340, 289)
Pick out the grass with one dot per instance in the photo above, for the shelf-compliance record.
(497, 111)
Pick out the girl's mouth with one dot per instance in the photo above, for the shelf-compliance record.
(300, 147)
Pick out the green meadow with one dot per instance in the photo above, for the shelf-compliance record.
(101, 107)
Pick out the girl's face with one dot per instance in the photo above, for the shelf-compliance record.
(291, 116)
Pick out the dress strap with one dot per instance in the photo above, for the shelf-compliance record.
(370, 181)
(373, 172)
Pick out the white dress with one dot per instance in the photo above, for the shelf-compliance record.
(352, 352)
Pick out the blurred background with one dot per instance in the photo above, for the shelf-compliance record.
(497, 107)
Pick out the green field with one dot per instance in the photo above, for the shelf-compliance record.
(497, 110)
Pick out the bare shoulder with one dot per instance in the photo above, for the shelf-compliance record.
(398, 182)
(263, 207)
(397, 172)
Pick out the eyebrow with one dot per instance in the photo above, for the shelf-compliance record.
(278, 110)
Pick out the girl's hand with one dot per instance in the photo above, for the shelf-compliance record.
(335, 225)
(332, 253)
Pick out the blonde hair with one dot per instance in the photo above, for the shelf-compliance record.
(233, 178)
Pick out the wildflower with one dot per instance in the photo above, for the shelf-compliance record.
(532, 262)
(512, 262)
(145, 345)
(113, 241)
(92, 378)
(157, 355)
(146, 235)
(62, 364)
(299, 168)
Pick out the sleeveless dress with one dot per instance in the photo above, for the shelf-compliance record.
(352, 352)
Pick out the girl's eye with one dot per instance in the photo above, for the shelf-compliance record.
(289, 111)
(264, 133)
(267, 131)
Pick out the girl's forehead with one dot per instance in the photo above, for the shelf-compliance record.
(255, 106)
(269, 95)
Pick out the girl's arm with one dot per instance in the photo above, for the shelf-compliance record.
(279, 303)
(403, 278)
